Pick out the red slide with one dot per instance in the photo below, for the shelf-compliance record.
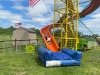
(92, 7)
(53, 46)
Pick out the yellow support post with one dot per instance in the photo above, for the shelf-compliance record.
(66, 23)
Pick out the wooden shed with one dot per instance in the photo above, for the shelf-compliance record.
(24, 34)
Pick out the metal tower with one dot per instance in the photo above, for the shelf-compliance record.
(65, 28)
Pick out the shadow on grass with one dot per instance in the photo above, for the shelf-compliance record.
(38, 62)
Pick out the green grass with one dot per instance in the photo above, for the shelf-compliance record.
(5, 37)
(28, 64)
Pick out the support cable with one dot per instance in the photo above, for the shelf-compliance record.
(84, 2)
(88, 29)
(48, 10)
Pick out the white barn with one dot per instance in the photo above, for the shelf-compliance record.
(24, 34)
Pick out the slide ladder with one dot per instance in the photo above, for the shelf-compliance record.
(68, 38)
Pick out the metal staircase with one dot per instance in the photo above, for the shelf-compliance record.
(66, 20)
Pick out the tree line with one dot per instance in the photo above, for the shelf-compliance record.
(88, 37)
(9, 31)
(6, 31)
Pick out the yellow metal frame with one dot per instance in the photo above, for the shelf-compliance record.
(66, 23)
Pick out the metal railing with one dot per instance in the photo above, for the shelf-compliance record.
(19, 46)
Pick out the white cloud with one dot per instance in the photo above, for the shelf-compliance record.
(49, 1)
(19, 7)
(41, 8)
(4, 14)
(42, 20)
(37, 10)
(28, 26)
(17, 2)
(96, 16)
(93, 23)
(92, 20)
(16, 19)
(39, 13)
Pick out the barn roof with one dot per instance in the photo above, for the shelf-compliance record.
(27, 29)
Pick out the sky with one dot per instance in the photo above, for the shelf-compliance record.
(18, 11)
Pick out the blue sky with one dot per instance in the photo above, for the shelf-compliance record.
(15, 11)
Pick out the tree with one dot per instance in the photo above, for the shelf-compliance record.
(38, 32)
(7, 31)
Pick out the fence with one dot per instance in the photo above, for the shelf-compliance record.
(19, 46)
